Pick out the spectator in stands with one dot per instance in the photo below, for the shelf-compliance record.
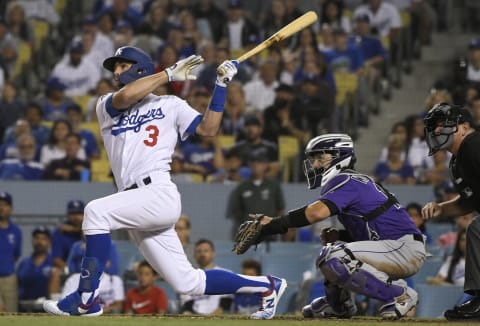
(275, 19)
(211, 19)
(9, 149)
(384, 18)
(18, 25)
(111, 291)
(104, 86)
(199, 98)
(11, 244)
(253, 129)
(54, 104)
(11, 108)
(106, 25)
(202, 156)
(292, 9)
(55, 148)
(233, 119)
(417, 150)
(156, 22)
(121, 10)
(146, 298)
(305, 39)
(394, 170)
(399, 129)
(33, 272)
(316, 100)
(449, 239)
(438, 174)
(374, 55)
(124, 34)
(333, 15)
(327, 42)
(452, 271)
(67, 233)
(238, 27)
(102, 45)
(282, 118)
(344, 58)
(260, 93)
(89, 141)
(25, 167)
(34, 116)
(415, 211)
(233, 171)
(473, 65)
(183, 228)
(191, 35)
(437, 96)
(247, 303)
(260, 193)
(79, 75)
(9, 48)
(40, 9)
(474, 108)
(63, 238)
(205, 304)
(69, 168)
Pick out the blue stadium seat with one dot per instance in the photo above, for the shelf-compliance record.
(230, 261)
(435, 299)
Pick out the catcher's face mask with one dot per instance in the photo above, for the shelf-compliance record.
(326, 156)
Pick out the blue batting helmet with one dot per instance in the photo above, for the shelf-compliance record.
(142, 63)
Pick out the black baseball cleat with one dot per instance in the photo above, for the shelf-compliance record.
(469, 310)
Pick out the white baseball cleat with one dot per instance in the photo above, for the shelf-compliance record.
(270, 299)
(72, 305)
(402, 304)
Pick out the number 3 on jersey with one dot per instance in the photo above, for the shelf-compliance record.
(152, 136)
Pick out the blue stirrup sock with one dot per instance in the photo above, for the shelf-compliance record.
(93, 263)
(224, 282)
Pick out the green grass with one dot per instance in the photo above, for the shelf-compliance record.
(285, 320)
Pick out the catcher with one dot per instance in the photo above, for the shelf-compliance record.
(386, 246)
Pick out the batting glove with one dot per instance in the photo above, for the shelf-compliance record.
(180, 71)
(226, 71)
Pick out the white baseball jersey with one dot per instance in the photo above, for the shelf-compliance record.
(142, 139)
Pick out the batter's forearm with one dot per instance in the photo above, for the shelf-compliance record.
(137, 90)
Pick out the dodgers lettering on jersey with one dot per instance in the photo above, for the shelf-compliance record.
(143, 138)
(356, 195)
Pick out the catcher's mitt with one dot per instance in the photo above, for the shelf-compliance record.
(248, 234)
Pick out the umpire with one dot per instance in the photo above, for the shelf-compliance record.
(449, 127)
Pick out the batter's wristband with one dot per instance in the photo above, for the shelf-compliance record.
(218, 98)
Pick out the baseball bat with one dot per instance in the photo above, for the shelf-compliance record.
(286, 31)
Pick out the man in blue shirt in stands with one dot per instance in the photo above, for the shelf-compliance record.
(33, 272)
(67, 233)
(10, 251)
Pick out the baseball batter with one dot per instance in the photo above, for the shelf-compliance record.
(140, 131)
(386, 246)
